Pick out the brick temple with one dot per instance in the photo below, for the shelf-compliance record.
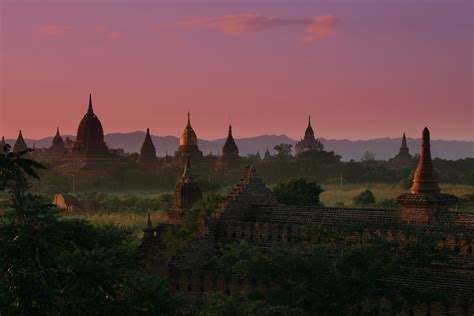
(251, 213)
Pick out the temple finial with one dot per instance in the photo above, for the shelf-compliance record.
(148, 131)
(90, 110)
(425, 180)
(189, 118)
(309, 120)
(404, 141)
(57, 131)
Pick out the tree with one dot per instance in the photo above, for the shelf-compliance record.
(339, 276)
(298, 191)
(283, 150)
(368, 156)
(53, 265)
(364, 198)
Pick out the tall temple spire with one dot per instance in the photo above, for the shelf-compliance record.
(90, 111)
(425, 180)
(20, 144)
(148, 151)
(58, 143)
(404, 141)
(2, 145)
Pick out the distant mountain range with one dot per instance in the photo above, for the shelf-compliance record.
(383, 148)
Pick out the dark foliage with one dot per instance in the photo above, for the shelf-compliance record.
(298, 191)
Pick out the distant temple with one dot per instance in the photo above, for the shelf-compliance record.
(57, 145)
(267, 155)
(90, 135)
(2, 146)
(403, 157)
(186, 194)
(148, 151)
(230, 153)
(89, 151)
(309, 142)
(188, 144)
(20, 144)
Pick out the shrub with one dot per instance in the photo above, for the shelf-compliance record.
(364, 198)
(298, 191)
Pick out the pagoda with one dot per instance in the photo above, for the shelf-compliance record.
(20, 144)
(230, 152)
(2, 146)
(267, 156)
(425, 202)
(148, 151)
(186, 194)
(57, 145)
(403, 157)
(90, 135)
(188, 144)
(309, 142)
(89, 151)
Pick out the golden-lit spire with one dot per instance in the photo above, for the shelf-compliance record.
(425, 180)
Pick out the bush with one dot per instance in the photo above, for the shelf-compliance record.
(298, 191)
(364, 198)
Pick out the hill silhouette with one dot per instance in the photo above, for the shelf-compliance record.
(383, 148)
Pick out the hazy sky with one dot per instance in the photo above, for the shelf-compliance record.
(362, 69)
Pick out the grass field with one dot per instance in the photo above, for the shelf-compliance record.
(332, 195)
(335, 193)
(127, 219)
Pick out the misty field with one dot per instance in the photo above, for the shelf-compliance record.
(333, 195)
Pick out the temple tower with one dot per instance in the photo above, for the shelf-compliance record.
(57, 145)
(424, 203)
(188, 144)
(230, 152)
(20, 144)
(2, 146)
(403, 157)
(148, 151)
(267, 155)
(90, 135)
(186, 194)
(309, 142)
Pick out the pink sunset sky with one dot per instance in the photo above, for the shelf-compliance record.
(362, 69)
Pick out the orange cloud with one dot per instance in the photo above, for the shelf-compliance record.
(108, 33)
(54, 30)
(321, 27)
(317, 28)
